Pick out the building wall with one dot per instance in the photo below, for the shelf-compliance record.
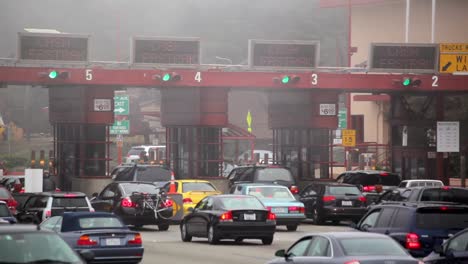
(385, 22)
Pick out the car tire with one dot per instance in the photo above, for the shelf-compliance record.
(212, 235)
(291, 227)
(317, 218)
(267, 240)
(183, 233)
(163, 227)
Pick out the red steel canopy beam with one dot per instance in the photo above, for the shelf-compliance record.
(245, 79)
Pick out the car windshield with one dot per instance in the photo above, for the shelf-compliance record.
(273, 192)
(99, 222)
(365, 246)
(236, 203)
(442, 218)
(135, 151)
(445, 195)
(4, 193)
(35, 247)
(4, 211)
(342, 190)
(197, 186)
(129, 188)
(69, 202)
(274, 174)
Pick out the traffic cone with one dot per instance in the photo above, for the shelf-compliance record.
(172, 186)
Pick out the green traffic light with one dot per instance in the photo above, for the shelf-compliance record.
(285, 79)
(166, 77)
(406, 81)
(53, 74)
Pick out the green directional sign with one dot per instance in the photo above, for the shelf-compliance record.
(121, 105)
(342, 119)
(120, 127)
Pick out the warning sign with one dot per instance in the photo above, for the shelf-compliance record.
(349, 137)
(453, 63)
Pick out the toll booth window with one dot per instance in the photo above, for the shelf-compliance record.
(95, 160)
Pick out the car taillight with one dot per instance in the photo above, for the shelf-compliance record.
(384, 174)
(12, 203)
(22, 190)
(85, 240)
(136, 240)
(352, 262)
(412, 241)
(294, 189)
(296, 209)
(187, 200)
(92, 210)
(368, 188)
(329, 198)
(227, 216)
(271, 216)
(48, 213)
(70, 195)
(445, 188)
(362, 199)
(168, 203)
(127, 202)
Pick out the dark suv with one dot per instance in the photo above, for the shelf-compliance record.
(262, 174)
(141, 173)
(370, 182)
(333, 201)
(427, 194)
(417, 227)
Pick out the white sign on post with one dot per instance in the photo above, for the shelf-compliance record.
(33, 180)
(102, 105)
(328, 109)
(448, 136)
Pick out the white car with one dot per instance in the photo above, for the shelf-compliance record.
(133, 155)
(420, 183)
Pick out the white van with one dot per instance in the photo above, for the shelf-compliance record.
(158, 153)
(420, 183)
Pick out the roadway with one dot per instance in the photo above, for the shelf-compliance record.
(167, 247)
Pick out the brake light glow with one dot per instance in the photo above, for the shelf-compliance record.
(294, 189)
(329, 198)
(353, 262)
(296, 209)
(12, 203)
(368, 188)
(70, 195)
(271, 216)
(48, 213)
(362, 199)
(85, 240)
(187, 200)
(384, 174)
(226, 217)
(136, 240)
(444, 208)
(168, 203)
(445, 188)
(412, 241)
(127, 202)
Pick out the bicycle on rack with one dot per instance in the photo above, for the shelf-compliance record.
(157, 203)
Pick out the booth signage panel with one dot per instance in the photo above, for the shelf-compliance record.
(283, 54)
(171, 51)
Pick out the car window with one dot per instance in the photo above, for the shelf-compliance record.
(237, 202)
(445, 195)
(442, 218)
(152, 174)
(319, 247)
(299, 249)
(402, 218)
(385, 217)
(459, 243)
(371, 219)
(308, 191)
(135, 151)
(129, 188)
(414, 184)
(371, 247)
(109, 191)
(4, 211)
(40, 202)
(342, 190)
(4, 193)
(201, 205)
(279, 193)
(51, 222)
(246, 176)
(402, 184)
(273, 174)
(209, 204)
(389, 179)
(99, 222)
(69, 202)
(197, 186)
(340, 178)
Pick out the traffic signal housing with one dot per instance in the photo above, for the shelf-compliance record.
(55, 74)
(410, 82)
(168, 77)
(287, 79)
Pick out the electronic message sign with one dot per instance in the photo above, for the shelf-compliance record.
(172, 51)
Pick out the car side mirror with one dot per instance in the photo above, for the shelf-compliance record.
(439, 250)
(86, 254)
(280, 253)
(94, 195)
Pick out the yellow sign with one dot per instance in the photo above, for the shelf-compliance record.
(249, 122)
(349, 137)
(453, 47)
(453, 63)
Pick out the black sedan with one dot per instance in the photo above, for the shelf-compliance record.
(235, 217)
(454, 250)
(345, 247)
(102, 233)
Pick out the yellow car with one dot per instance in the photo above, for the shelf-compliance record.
(193, 191)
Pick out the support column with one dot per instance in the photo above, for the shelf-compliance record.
(441, 174)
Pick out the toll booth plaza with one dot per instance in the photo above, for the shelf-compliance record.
(304, 112)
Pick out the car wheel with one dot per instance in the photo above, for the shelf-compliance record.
(318, 220)
(183, 233)
(267, 240)
(212, 236)
(163, 227)
(291, 227)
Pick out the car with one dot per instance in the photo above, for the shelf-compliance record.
(229, 216)
(104, 234)
(427, 194)
(279, 200)
(344, 247)
(21, 198)
(28, 244)
(420, 183)
(370, 182)
(143, 173)
(6, 196)
(263, 174)
(5, 213)
(14, 184)
(117, 197)
(40, 206)
(454, 250)
(192, 191)
(416, 226)
(158, 153)
(333, 201)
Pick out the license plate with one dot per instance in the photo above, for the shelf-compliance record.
(279, 210)
(346, 203)
(113, 241)
(249, 217)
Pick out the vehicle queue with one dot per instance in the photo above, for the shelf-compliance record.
(429, 229)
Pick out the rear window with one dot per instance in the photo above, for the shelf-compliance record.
(236, 203)
(4, 193)
(129, 188)
(135, 151)
(342, 190)
(389, 179)
(153, 174)
(4, 211)
(277, 193)
(386, 179)
(274, 174)
(371, 247)
(442, 218)
(448, 195)
(197, 186)
(99, 222)
(69, 202)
